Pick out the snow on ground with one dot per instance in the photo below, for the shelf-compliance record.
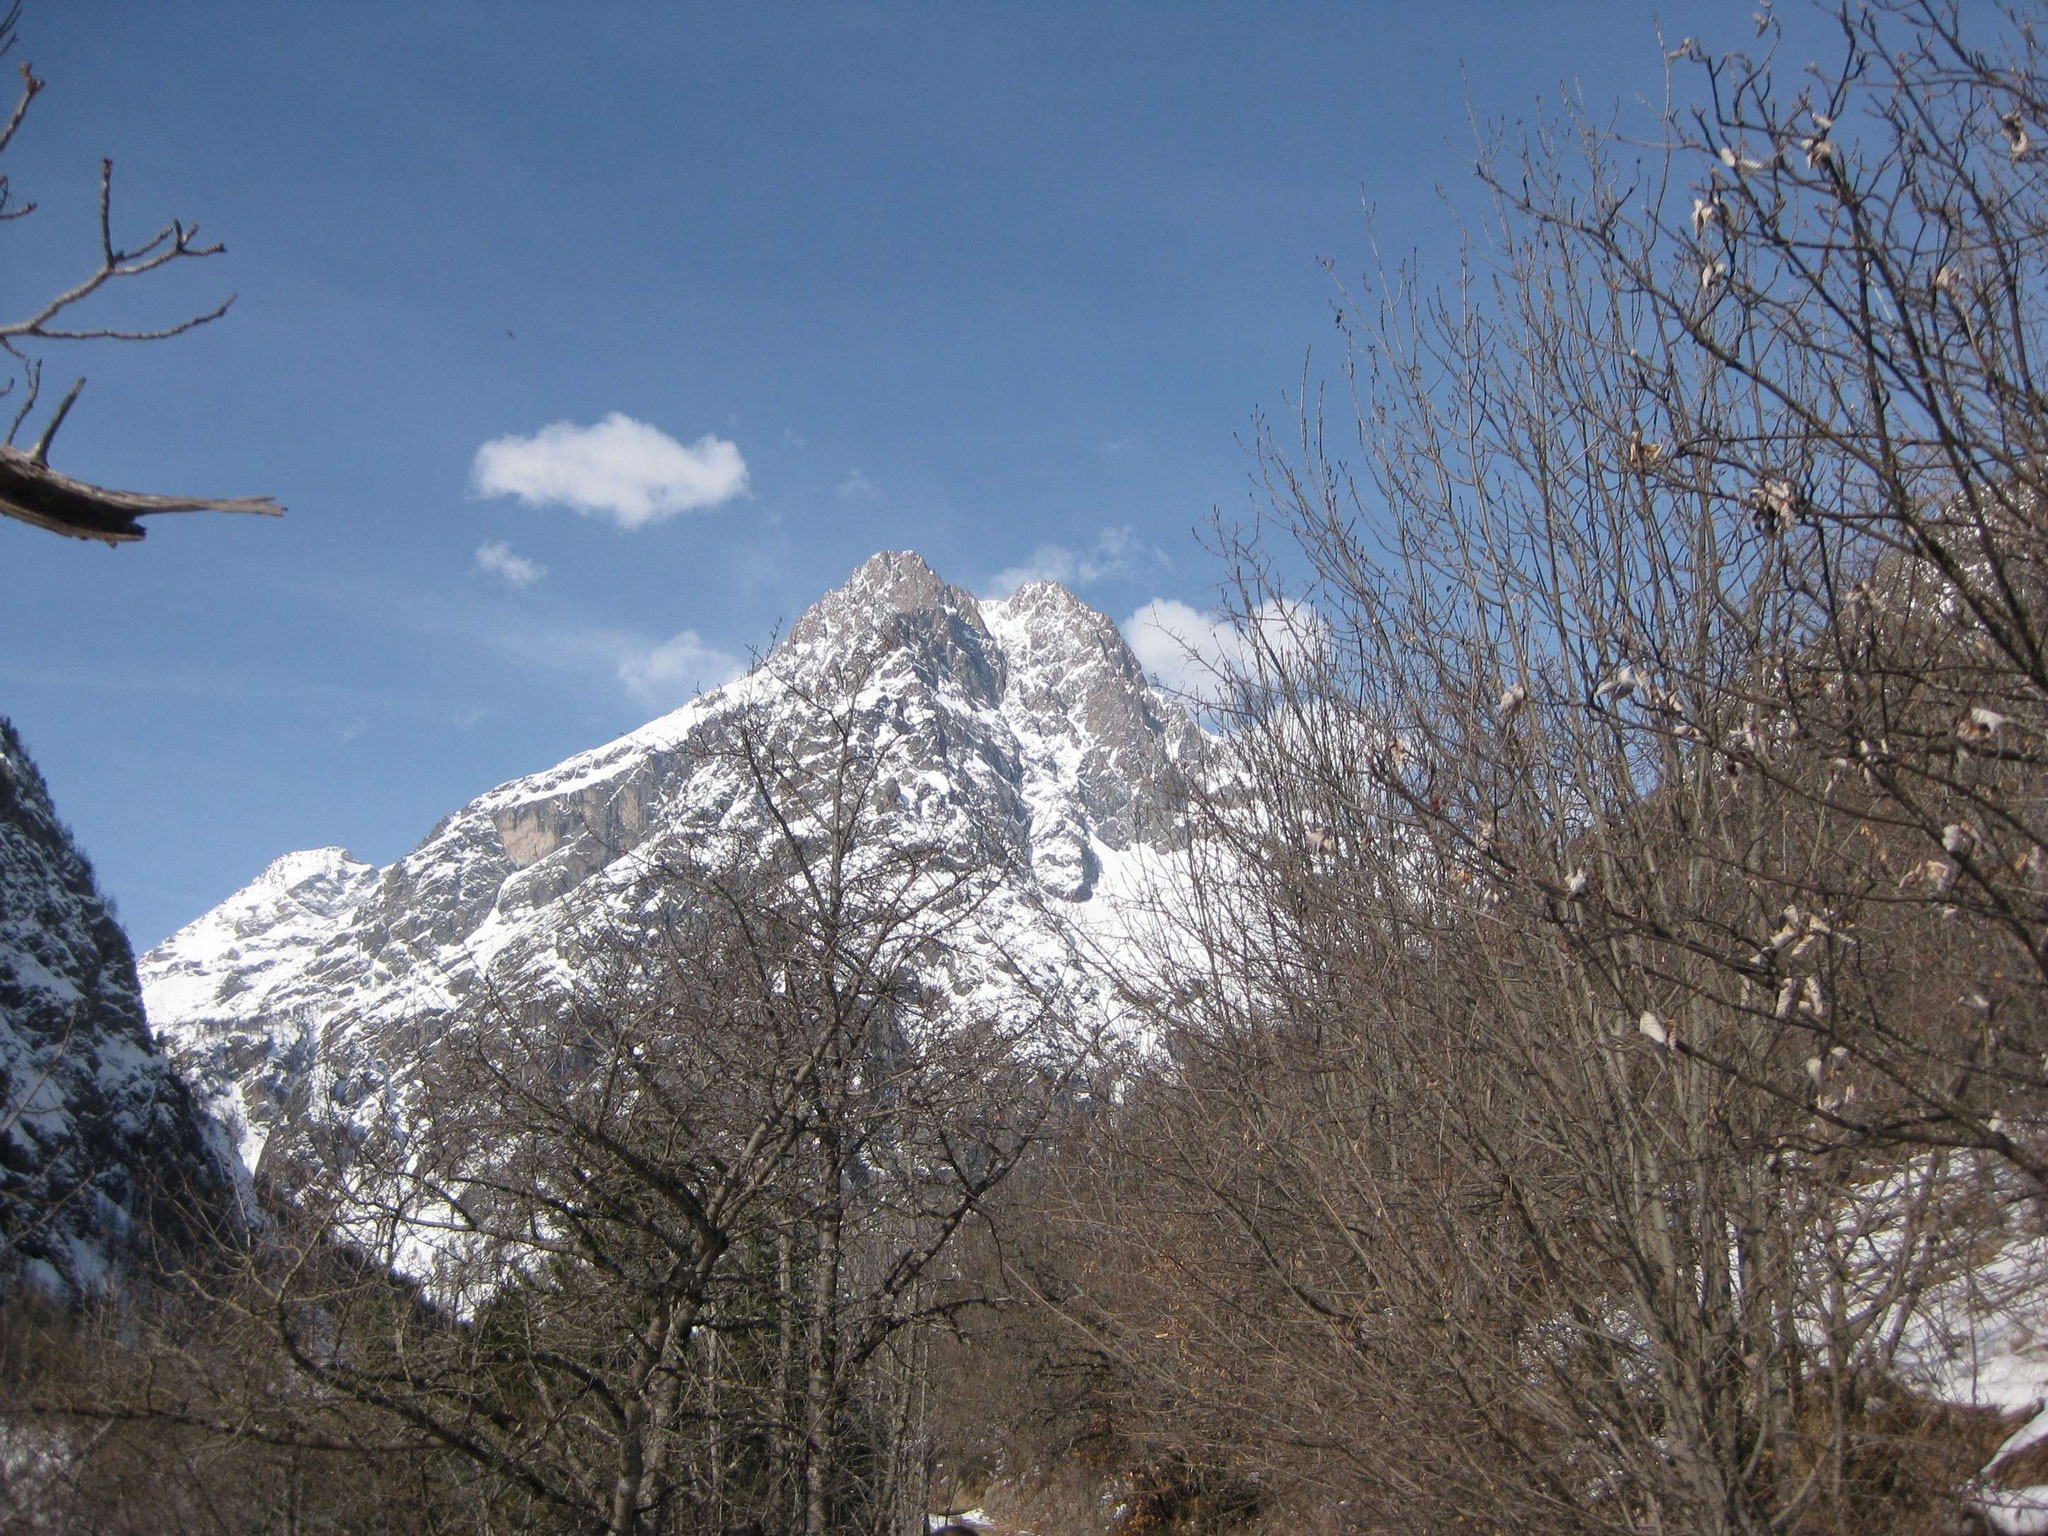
(2013, 1511)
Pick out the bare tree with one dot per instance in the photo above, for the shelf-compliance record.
(1603, 1013)
(676, 1237)
(1855, 290)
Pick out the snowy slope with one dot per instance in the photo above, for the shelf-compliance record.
(1022, 730)
(96, 1130)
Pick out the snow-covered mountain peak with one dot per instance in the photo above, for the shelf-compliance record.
(1022, 727)
(897, 580)
(897, 613)
(324, 881)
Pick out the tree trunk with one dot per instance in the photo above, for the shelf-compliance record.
(821, 1360)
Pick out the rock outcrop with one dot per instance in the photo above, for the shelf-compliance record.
(103, 1154)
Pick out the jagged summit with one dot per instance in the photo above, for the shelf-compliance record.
(895, 603)
(1023, 725)
(893, 581)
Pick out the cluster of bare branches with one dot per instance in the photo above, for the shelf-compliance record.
(1604, 1024)
(29, 489)
(51, 320)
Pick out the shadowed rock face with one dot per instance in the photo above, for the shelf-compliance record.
(1077, 680)
(1022, 727)
(102, 1145)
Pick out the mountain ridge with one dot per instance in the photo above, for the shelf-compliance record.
(1026, 730)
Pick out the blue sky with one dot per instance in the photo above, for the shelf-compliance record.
(1000, 283)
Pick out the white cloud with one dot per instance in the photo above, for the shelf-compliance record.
(676, 669)
(515, 570)
(1179, 646)
(1048, 562)
(858, 487)
(1117, 552)
(1192, 652)
(622, 469)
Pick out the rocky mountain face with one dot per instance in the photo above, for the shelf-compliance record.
(1021, 733)
(102, 1149)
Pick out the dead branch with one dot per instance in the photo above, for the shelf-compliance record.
(35, 493)
(29, 489)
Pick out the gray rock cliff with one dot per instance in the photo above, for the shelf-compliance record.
(104, 1156)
